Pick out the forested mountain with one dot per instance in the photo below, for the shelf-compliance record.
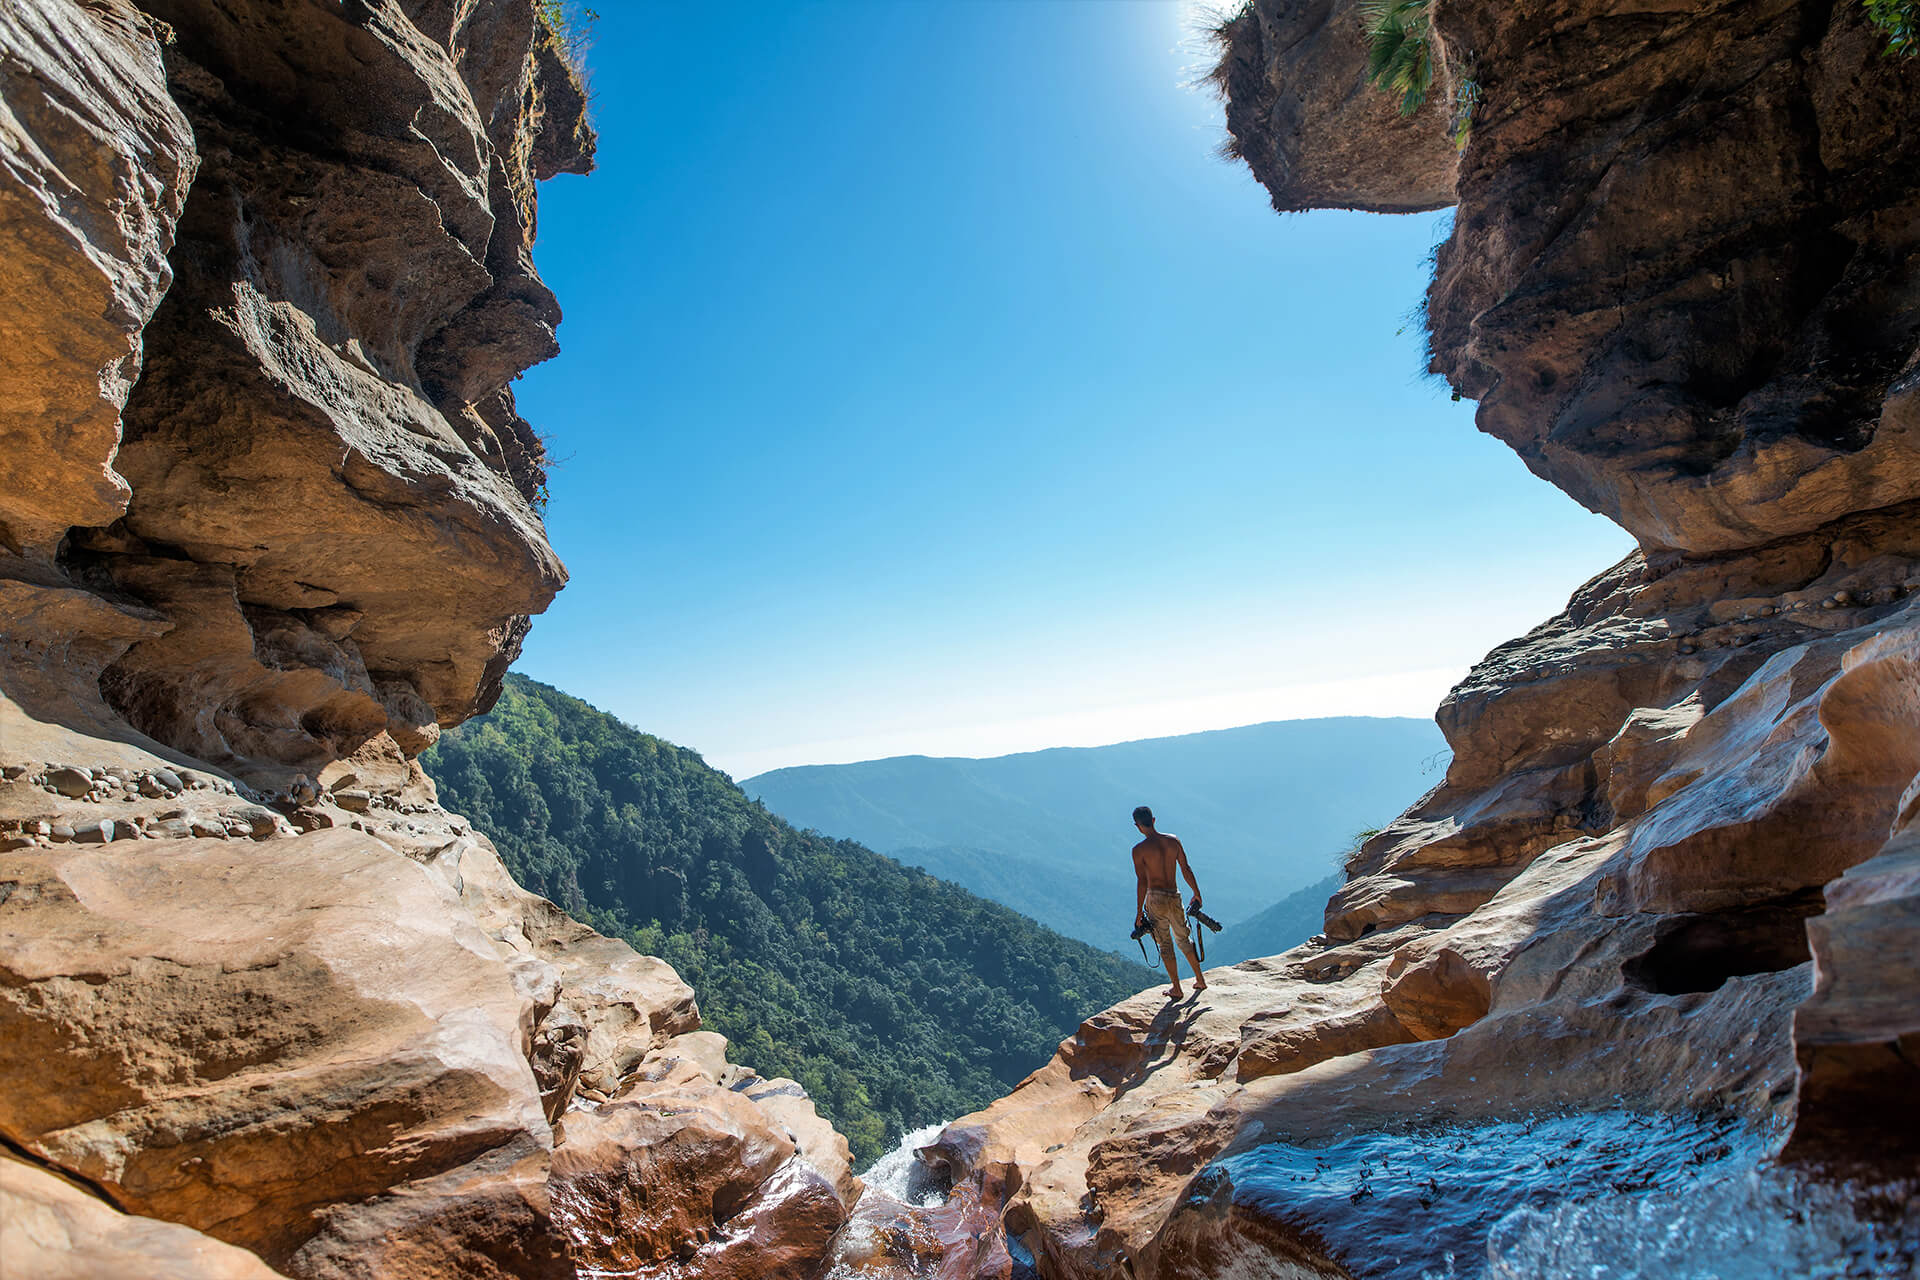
(897, 999)
(1262, 810)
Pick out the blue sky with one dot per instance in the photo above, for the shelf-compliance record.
(928, 384)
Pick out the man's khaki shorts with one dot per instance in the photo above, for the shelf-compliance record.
(1169, 922)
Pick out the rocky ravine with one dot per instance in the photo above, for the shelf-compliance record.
(1672, 869)
(271, 522)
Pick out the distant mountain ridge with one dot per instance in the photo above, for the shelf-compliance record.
(1263, 809)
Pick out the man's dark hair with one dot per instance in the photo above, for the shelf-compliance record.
(1143, 817)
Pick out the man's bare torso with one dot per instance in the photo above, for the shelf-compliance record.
(1157, 859)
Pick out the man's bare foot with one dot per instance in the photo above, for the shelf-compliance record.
(1199, 984)
(1175, 993)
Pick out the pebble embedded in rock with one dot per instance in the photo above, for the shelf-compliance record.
(69, 782)
(101, 832)
(167, 778)
(355, 801)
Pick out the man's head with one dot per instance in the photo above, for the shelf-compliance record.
(1143, 818)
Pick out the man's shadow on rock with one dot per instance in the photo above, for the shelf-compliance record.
(1166, 1036)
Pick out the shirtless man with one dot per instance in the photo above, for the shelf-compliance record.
(1154, 860)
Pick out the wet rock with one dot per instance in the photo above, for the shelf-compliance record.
(685, 1171)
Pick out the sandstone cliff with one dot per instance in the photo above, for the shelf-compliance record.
(1670, 872)
(270, 523)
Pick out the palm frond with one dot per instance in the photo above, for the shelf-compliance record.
(1399, 51)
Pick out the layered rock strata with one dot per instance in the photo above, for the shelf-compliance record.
(1670, 870)
(271, 521)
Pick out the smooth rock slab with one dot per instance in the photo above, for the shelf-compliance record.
(274, 1043)
(51, 1230)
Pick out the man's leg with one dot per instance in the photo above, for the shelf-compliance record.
(1163, 939)
(1184, 937)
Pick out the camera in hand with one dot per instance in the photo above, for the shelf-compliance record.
(1204, 918)
(1141, 928)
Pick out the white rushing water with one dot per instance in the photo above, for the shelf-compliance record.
(1607, 1196)
(1758, 1224)
(1615, 1195)
(900, 1174)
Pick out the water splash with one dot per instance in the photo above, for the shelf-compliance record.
(890, 1234)
(900, 1173)
(1754, 1225)
(1550, 1197)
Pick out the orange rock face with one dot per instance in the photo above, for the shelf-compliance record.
(1669, 867)
(270, 522)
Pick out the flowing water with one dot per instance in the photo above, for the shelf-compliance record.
(1595, 1196)
(1601, 1196)
(901, 1175)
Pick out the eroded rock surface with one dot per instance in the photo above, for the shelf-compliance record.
(1670, 861)
(271, 521)
(95, 159)
(341, 1037)
(317, 497)
(1682, 281)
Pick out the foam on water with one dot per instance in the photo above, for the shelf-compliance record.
(1758, 1224)
(1605, 1196)
(900, 1174)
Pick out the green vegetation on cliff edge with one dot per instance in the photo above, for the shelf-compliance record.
(896, 999)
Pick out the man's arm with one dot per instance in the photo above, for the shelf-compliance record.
(1139, 884)
(1180, 852)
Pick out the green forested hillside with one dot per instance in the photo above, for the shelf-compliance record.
(895, 998)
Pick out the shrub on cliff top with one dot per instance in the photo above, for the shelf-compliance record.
(571, 26)
(1899, 21)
